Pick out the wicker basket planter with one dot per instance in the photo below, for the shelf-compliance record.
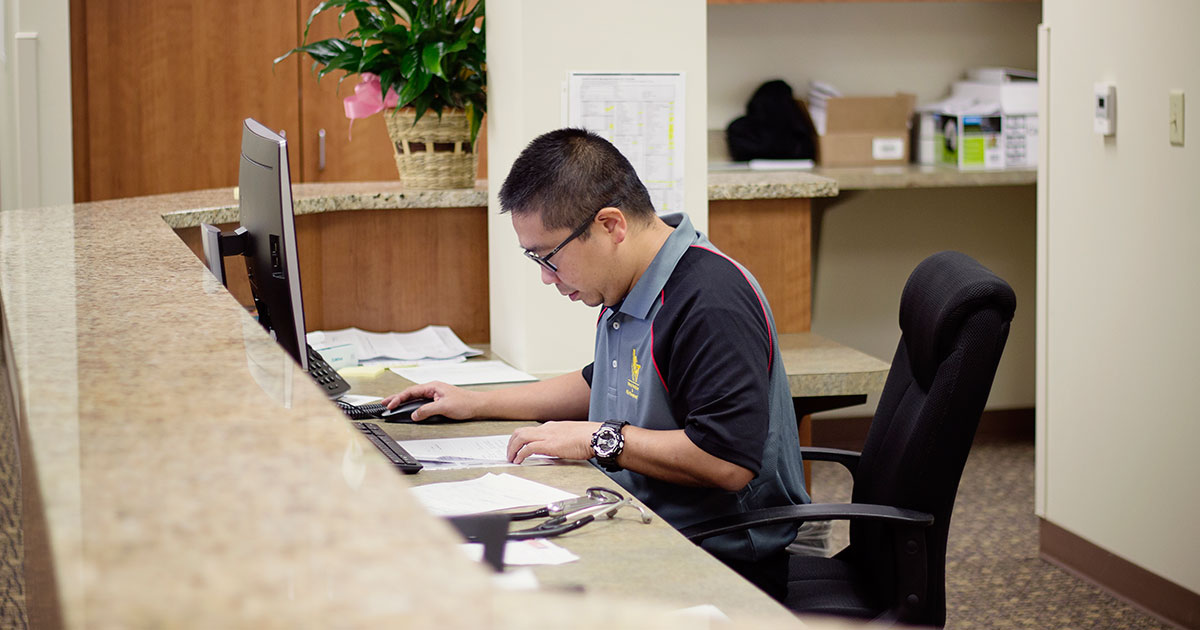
(434, 154)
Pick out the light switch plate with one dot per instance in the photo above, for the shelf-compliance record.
(1104, 105)
(1175, 117)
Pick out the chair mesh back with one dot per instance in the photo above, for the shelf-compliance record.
(954, 320)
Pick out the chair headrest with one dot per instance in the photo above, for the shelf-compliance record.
(942, 291)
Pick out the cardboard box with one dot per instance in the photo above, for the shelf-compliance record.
(867, 130)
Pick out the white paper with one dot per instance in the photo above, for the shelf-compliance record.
(465, 373)
(484, 494)
(531, 552)
(702, 612)
(396, 363)
(467, 452)
(359, 399)
(779, 165)
(430, 342)
(642, 114)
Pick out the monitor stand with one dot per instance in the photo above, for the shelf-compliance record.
(217, 245)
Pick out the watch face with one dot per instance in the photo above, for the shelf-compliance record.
(605, 441)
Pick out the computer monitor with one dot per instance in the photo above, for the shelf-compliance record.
(267, 238)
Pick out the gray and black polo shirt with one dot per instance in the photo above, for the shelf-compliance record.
(693, 346)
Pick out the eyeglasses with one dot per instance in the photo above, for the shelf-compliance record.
(545, 260)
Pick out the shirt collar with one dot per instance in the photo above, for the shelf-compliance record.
(639, 300)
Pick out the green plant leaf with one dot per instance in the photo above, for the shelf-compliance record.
(431, 56)
(475, 118)
(430, 52)
(416, 84)
(409, 61)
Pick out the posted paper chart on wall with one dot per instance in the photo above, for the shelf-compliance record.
(642, 114)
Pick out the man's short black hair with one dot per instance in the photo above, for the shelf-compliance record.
(567, 175)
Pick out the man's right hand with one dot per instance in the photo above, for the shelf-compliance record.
(448, 400)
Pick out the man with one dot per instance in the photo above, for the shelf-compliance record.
(686, 404)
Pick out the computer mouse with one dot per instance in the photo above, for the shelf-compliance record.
(403, 413)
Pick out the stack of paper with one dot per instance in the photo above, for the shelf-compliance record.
(485, 494)
(465, 373)
(366, 348)
(467, 452)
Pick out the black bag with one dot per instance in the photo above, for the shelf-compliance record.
(775, 126)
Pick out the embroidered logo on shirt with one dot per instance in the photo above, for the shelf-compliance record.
(635, 370)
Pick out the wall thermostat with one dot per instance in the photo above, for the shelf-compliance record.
(1105, 106)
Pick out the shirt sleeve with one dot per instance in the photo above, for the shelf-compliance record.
(720, 357)
(587, 373)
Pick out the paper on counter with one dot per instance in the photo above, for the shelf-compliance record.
(430, 342)
(466, 373)
(467, 452)
(532, 552)
(359, 399)
(484, 494)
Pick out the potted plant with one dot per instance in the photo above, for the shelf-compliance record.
(426, 56)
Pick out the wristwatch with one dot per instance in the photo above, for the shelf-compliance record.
(607, 443)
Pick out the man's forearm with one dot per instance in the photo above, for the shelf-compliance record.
(563, 397)
(671, 456)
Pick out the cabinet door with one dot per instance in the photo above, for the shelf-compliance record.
(163, 85)
(363, 154)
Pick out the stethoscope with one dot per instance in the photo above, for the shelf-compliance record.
(570, 514)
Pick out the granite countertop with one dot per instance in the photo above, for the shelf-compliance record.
(221, 206)
(189, 474)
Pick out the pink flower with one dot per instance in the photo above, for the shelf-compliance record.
(368, 98)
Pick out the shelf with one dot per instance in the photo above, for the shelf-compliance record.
(914, 176)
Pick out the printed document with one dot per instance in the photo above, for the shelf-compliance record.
(486, 494)
(642, 114)
(430, 342)
(464, 373)
(467, 452)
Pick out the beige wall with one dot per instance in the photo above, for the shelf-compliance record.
(861, 47)
(1118, 258)
(869, 241)
(532, 44)
(35, 76)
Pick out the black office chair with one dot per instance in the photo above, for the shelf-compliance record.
(954, 321)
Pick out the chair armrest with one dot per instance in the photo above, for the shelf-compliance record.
(806, 512)
(849, 459)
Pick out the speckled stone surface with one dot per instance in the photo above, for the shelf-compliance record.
(745, 185)
(190, 475)
(220, 205)
(914, 176)
(817, 366)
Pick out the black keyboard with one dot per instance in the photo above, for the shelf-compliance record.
(326, 376)
(361, 412)
(390, 449)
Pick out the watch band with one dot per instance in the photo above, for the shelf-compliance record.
(607, 443)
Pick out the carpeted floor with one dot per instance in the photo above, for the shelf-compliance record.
(994, 578)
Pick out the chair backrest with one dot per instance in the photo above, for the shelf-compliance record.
(954, 321)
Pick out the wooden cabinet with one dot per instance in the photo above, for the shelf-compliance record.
(159, 88)
(361, 153)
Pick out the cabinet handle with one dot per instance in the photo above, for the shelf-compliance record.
(320, 149)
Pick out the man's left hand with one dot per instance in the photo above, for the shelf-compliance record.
(565, 440)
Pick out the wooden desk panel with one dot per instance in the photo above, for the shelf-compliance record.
(773, 239)
(386, 270)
